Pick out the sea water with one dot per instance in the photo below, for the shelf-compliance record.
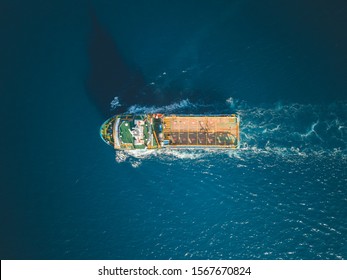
(68, 66)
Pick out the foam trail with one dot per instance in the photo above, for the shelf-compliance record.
(115, 103)
(183, 104)
(313, 131)
(121, 156)
(231, 102)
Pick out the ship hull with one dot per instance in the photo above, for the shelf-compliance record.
(158, 131)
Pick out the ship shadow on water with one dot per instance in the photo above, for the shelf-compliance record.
(111, 75)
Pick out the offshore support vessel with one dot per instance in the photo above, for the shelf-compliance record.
(156, 131)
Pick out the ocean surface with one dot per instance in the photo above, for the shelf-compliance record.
(66, 66)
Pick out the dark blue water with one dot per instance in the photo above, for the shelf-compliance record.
(281, 66)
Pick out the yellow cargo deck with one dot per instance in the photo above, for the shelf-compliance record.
(217, 131)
